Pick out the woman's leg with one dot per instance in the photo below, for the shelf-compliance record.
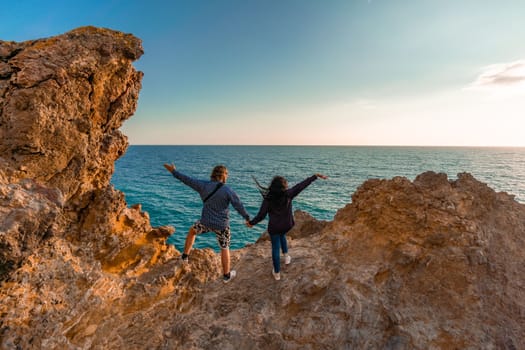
(284, 244)
(276, 242)
(284, 247)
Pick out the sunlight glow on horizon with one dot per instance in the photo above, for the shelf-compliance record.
(363, 72)
(485, 113)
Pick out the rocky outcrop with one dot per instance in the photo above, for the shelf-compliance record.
(432, 263)
(62, 101)
(66, 236)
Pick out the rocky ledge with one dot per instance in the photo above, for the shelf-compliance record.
(432, 263)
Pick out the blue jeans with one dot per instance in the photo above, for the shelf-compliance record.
(278, 243)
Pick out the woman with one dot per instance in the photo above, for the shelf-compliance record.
(277, 203)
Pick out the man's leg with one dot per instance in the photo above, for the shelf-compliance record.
(190, 239)
(225, 259)
(223, 238)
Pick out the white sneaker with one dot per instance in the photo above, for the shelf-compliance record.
(287, 259)
(276, 275)
(233, 273)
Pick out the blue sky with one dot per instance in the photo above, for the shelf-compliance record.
(354, 72)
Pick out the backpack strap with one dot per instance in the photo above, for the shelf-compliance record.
(219, 185)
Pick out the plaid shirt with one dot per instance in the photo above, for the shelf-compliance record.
(215, 211)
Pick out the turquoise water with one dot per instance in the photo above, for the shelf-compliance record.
(141, 176)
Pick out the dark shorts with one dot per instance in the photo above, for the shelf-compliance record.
(223, 236)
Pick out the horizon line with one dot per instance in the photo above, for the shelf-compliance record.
(325, 145)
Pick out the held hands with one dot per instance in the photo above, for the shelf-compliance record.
(248, 224)
(321, 176)
(170, 167)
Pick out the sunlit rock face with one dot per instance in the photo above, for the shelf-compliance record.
(66, 236)
(62, 102)
(432, 263)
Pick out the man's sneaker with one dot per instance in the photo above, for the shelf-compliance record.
(276, 275)
(287, 259)
(226, 279)
(185, 258)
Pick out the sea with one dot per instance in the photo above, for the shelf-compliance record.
(141, 176)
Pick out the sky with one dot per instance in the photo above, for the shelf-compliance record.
(311, 72)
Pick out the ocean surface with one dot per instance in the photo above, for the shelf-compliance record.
(143, 179)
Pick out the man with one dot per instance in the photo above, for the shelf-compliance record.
(215, 217)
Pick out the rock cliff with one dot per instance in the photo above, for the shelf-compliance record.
(432, 263)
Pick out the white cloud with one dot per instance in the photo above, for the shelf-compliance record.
(501, 78)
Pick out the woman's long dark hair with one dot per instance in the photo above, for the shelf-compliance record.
(275, 192)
